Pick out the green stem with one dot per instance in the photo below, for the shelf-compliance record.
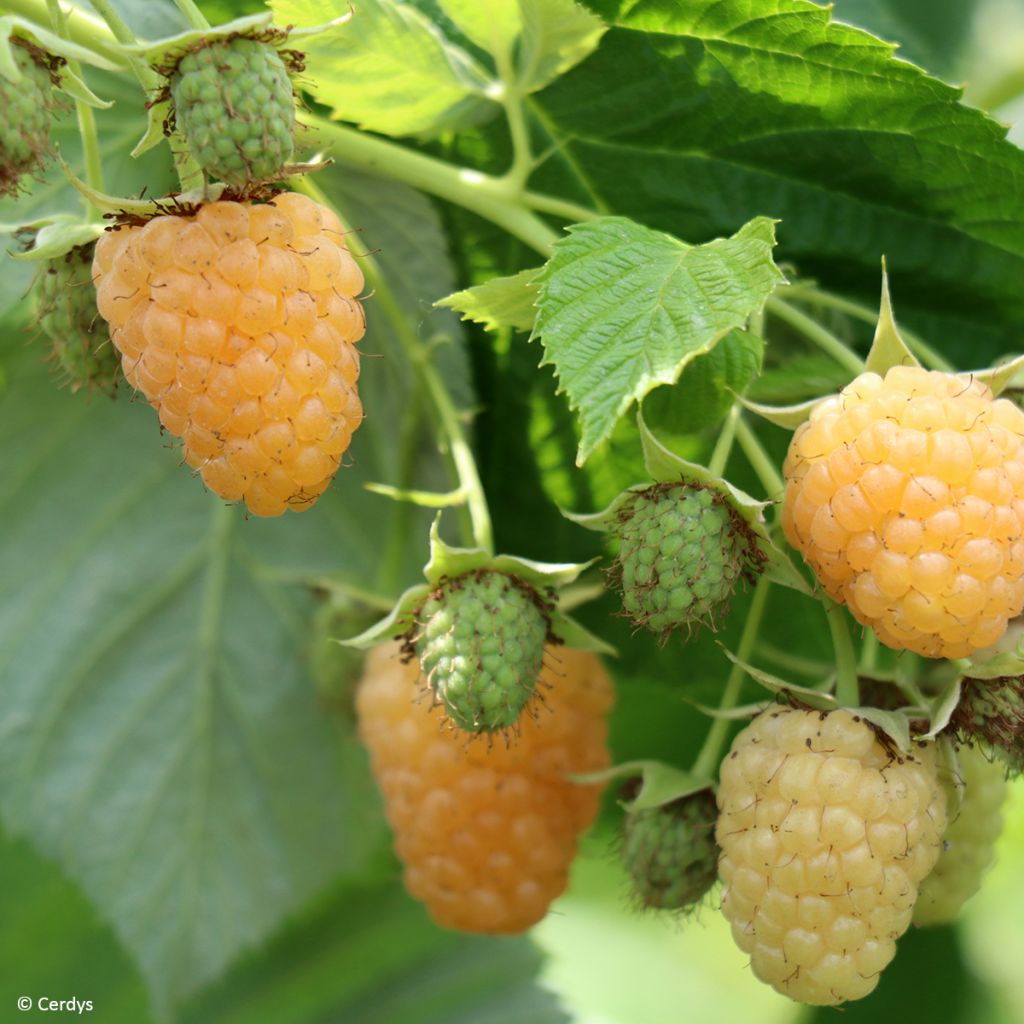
(816, 334)
(869, 652)
(511, 100)
(494, 199)
(462, 454)
(760, 460)
(920, 348)
(195, 17)
(847, 688)
(711, 752)
(570, 212)
(86, 118)
(723, 447)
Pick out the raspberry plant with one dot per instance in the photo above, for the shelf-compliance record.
(273, 225)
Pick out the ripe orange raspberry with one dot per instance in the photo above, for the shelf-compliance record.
(238, 323)
(486, 829)
(825, 837)
(906, 496)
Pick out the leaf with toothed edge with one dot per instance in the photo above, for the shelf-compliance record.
(624, 309)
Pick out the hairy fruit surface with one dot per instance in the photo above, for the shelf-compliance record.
(905, 494)
(480, 641)
(67, 316)
(680, 556)
(233, 103)
(239, 324)
(486, 830)
(670, 852)
(825, 837)
(26, 109)
(968, 846)
(992, 710)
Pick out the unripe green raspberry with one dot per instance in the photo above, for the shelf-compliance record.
(233, 103)
(992, 710)
(968, 846)
(66, 301)
(481, 646)
(670, 852)
(681, 553)
(26, 109)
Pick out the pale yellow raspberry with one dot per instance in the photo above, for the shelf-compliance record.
(968, 847)
(486, 828)
(825, 837)
(905, 494)
(238, 323)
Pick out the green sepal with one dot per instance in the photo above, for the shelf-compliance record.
(11, 25)
(660, 783)
(56, 235)
(396, 623)
(888, 348)
(252, 25)
(1000, 376)
(789, 417)
(142, 207)
(739, 713)
(814, 697)
(448, 562)
(895, 724)
(74, 86)
(942, 706)
(667, 467)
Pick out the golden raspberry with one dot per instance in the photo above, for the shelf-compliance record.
(238, 323)
(906, 497)
(968, 847)
(825, 836)
(486, 829)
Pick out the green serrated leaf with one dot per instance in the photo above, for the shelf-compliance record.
(694, 117)
(708, 386)
(501, 302)
(493, 26)
(624, 309)
(390, 70)
(557, 34)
